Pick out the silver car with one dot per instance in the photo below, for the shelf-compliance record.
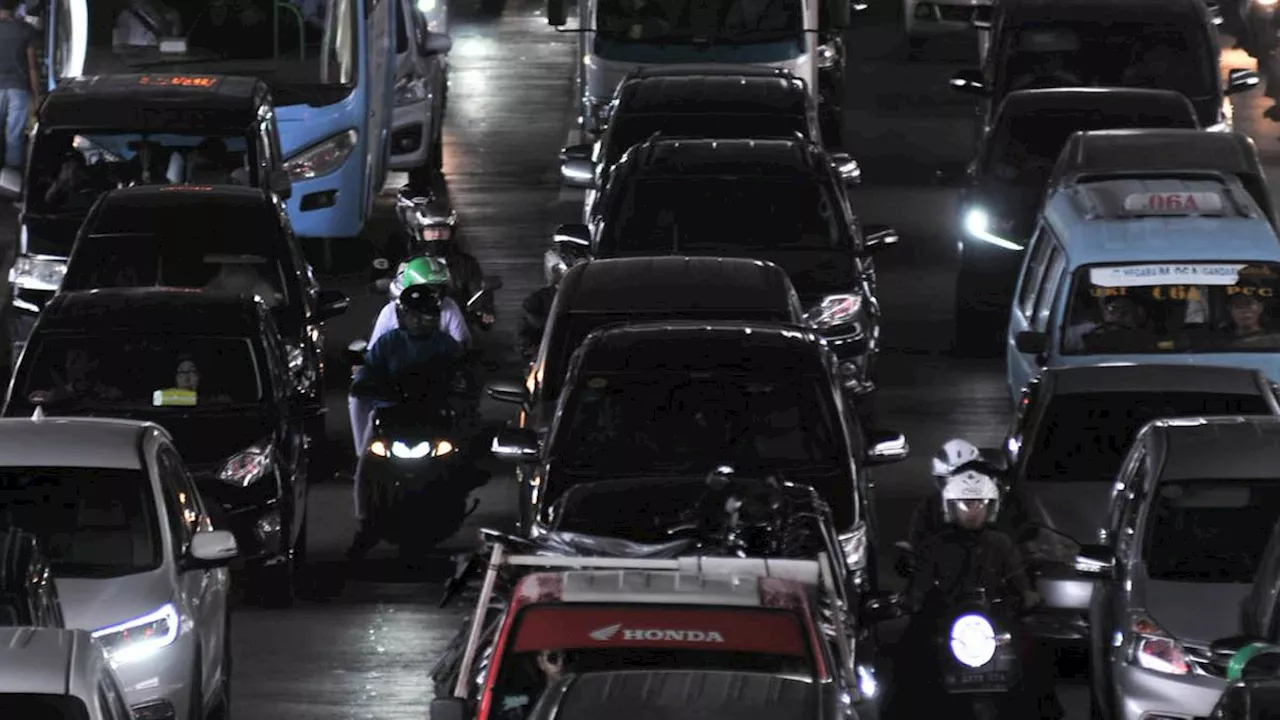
(52, 672)
(1192, 511)
(134, 553)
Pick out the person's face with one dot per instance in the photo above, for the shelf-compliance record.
(551, 663)
(971, 514)
(1119, 311)
(187, 376)
(1246, 313)
(418, 324)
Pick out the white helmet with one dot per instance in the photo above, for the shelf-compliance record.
(971, 484)
(952, 455)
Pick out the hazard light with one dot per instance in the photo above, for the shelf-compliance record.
(1174, 203)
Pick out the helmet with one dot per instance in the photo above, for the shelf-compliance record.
(954, 453)
(418, 310)
(973, 482)
(554, 266)
(429, 271)
(428, 219)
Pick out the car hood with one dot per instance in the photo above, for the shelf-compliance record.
(1076, 509)
(1194, 613)
(815, 273)
(50, 234)
(205, 437)
(95, 603)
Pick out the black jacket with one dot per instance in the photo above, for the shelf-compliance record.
(537, 307)
(955, 560)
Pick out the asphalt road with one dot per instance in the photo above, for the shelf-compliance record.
(363, 650)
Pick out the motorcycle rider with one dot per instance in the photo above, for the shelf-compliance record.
(537, 308)
(431, 240)
(929, 516)
(416, 346)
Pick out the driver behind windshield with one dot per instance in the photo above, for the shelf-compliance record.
(74, 189)
(1249, 320)
(636, 19)
(1123, 327)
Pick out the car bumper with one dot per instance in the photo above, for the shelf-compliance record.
(1142, 694)
(256, 515)
(411, 132)
(333, 205)
(161, 684)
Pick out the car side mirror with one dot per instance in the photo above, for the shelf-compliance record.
(507, 392)
(491, 283)
(332, 304)
(885, 447)
(1031, 343)
(11, 183)
(578, 173)
(574, 238)
(1240, 80)
(211, 549)
(448, 708)
(436, 43)
(278, 182)
(970, 82)
(515, 445)
(354, 354)
(878, 237)
(847, 168)
(1095, 561)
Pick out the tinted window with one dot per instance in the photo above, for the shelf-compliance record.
(1210, 531)
(692, 23)
(1085, 437)
(630, 130)
(92, 522)
(727, 214)
(182, 372)
(42, 707)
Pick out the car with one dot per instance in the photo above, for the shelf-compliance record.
(1152, 152)
(676, 395)
(925, 20)
(680, 695)
(1071, 430)
(102, 122)
(28, 595)
(421, 89)
(694, 613)
(135, 555)
(1191, 513)
(1005, 185)
(1119, 272)
(204, 236)
(48, 673)
(1159, 44)
(137, 352)
(777, 200)
(697, 102)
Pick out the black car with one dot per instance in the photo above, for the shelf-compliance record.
(218, 238)
(1005, 184)
(736, 102)
(150, 354)
(775, 200)
(28, 595)
(678, 399)
(130, 129)
(1155, 152)
(1071, 431)
(1160, 44)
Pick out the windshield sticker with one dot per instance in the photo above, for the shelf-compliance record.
(1146, 275)
(173, 397)
(191, 81)
(564, 627)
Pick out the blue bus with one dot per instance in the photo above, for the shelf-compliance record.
(330, 65)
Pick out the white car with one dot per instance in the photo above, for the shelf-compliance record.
(421, 89)
(52, 672)
(135, 557)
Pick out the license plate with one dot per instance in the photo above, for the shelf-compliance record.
(979, 681)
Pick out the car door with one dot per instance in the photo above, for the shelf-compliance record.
(1020, 366)
(291, 410)
(379, 27)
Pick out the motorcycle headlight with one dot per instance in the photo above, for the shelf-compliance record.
(973, 640)
(407, 451)
(322, 158)
(37, 273)
(835, 310)
(140, 637)
(247, 466)
(410, 90)
(981, 226)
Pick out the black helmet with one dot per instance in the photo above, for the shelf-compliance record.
(418, 308)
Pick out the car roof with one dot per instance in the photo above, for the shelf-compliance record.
(1126, 378)
(681, 695)
(98, 442)
(660, 587)
(736, 157)
(1166, 149)
(232, 197)
(151, 310)
(674, 284)
(753, 348)
(42, 661)
(1031, 11)
(707, 93)
(1100, 98)
(1220, 448)
(1094, 228)
(136, 101)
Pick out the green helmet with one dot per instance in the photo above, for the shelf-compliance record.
(421, 271)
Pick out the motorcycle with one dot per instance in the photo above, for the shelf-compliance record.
(414, 469)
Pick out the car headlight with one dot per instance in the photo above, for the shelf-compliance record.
(826, 55)
(416, 451)
(980, 226)
(973, 640)
(1155, 649)
(247, 466)
(836, 310)
(140, 637)
(322, 158)
(410, 90)
(37, 273)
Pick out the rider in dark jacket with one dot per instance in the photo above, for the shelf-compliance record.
(537, 308)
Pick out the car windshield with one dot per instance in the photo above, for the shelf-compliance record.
(1084, 437)
(1173, 308)
(1210, 531)
(630, 130)
(727, 214)
(92, 522)
(290, 43)
(1026, 146)
(1112, 54)
(176, 371)
(547, 641)
(42, 707)
(72, 169)
(686, 22)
